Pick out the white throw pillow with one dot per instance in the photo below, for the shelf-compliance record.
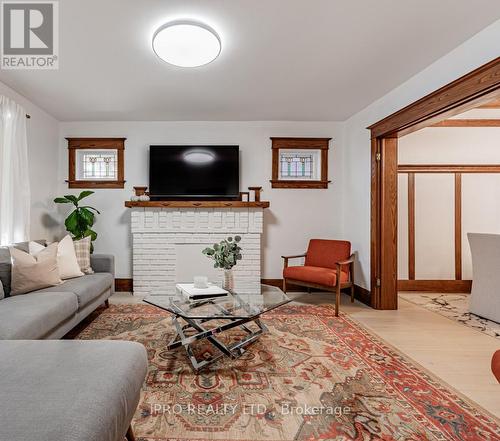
(66, 259)
(82, 249)
(34, 248)
(30, 273)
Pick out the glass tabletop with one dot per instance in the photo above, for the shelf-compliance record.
(236, 305)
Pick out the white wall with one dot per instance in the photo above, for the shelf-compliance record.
(43, 155)
(294, 215)
(478, 50)
(435, 193)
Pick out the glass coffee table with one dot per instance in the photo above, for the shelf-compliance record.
(205, 319)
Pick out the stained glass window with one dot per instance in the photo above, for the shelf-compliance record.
(97, 165)
(299, 164)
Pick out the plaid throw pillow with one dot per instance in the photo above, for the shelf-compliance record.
(82, 250)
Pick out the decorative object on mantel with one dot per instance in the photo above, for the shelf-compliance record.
(225, 254)
(80, 221)
(244, 196)
(256, 191)
(300, 162)
(140, 194)
(96, 162)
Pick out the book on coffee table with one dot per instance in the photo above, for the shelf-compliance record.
(192, 293)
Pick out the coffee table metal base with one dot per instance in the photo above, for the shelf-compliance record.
(233, 350)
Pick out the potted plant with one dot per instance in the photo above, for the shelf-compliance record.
(80, 221)
(225, 255)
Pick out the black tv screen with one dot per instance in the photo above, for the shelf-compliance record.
(193, 171)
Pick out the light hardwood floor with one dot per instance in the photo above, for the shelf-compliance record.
(458, 355)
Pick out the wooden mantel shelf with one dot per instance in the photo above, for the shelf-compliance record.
(197, 204)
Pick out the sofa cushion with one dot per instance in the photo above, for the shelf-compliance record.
(2, 294)
(314, 274)
(32, 316)
(62, 390)
(86, 288)
(326, 253)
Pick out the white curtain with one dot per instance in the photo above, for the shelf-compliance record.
(14, 174)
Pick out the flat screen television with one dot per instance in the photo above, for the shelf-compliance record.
(193, 172)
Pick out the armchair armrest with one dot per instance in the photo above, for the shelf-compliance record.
(347, 261)
(103, 263)
(285, 258)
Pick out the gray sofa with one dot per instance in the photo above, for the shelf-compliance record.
(61, 390)
(51, 312)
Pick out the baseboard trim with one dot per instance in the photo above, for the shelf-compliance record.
(124, 285)
(445, 286)
(360, 293)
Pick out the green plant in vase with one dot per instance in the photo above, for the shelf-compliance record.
(225, 255)
(80, 221)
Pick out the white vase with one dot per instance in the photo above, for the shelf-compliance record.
(228, 283)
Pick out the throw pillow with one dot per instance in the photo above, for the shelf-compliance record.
(34, 248)
(66, 259)
(30, 273)
(82, 249)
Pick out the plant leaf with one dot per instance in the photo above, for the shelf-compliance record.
(61, 201)
(71, 223)
(91, 233)
(87, 216)
(91, 208)
(72, 198)
(84, 194)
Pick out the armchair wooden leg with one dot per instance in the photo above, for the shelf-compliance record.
(337, 300)
(106, 303)
(130, 434)
(284, 285)
(352, 293)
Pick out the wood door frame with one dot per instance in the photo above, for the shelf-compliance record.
(469, 91)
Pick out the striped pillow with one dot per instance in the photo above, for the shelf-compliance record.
(82, 250)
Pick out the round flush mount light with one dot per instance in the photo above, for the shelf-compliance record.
(186, 43)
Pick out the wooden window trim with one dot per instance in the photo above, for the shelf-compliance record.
(75, 144)
(283, 143)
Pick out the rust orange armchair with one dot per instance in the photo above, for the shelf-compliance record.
(328, 265)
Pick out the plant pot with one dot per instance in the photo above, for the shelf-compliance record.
(228, 283)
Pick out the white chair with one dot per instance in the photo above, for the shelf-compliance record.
(485, 295)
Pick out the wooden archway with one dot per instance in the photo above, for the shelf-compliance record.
(471, 90)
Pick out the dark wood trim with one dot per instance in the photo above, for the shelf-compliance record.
(449, 168)
(298, 184)
(280, 143)
(476, 88)
(75, 144)
(95, 184)
(362, 294)
(461, 286)
(197, 204)
(468, 123)
(411, 226)
(458, 226)
(124, 285)
(387, 297)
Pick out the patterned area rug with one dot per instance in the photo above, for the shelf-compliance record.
(314, 376)
(455, 307)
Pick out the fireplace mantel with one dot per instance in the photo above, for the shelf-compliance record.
(196, 204)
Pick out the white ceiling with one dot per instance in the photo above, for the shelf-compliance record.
(310, 60)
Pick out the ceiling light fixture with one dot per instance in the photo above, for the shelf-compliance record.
(186, 43)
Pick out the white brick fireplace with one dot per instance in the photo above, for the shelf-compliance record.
(159, 235)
